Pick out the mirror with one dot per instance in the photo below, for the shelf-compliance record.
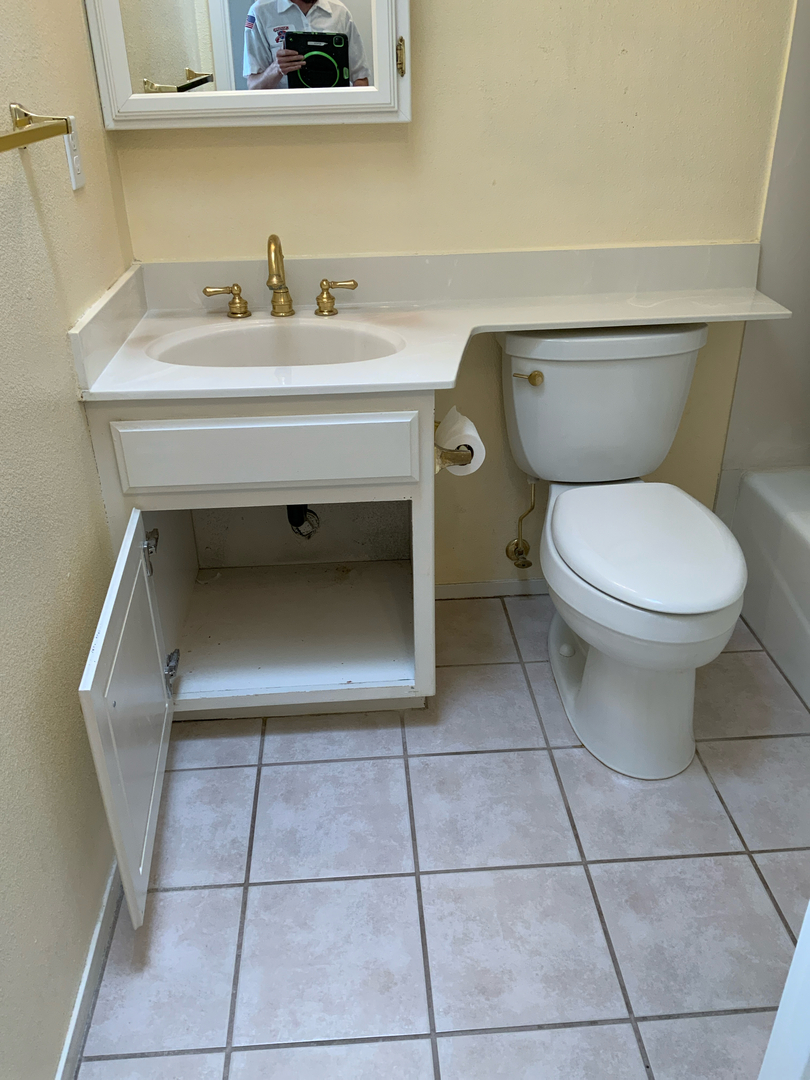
(187, 63)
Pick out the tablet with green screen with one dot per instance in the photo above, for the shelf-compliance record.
(327, 57)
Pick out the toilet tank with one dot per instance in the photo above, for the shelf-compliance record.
(609, 404)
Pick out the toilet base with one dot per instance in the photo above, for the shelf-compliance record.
(637, 721)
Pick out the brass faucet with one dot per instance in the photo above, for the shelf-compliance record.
(282, 301)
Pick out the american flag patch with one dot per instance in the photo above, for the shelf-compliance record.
(251, 22)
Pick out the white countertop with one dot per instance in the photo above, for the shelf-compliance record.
(435, 337)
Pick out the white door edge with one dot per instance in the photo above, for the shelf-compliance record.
(788, 1053)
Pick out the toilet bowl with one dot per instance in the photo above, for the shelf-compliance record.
(626, 672)
(647, 583)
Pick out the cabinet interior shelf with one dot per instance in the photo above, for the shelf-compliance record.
(291, 630)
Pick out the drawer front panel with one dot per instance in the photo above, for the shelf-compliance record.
(156, 455)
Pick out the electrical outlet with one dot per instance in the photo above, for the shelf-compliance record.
(74, 157)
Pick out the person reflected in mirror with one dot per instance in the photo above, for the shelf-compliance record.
(268, 62)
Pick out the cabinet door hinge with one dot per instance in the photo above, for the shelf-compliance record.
(170, 670)
(401, 68)
(150, 546)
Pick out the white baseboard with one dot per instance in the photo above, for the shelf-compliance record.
(509, 587)
(72, 1045)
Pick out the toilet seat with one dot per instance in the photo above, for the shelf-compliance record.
(658, 634)
(648, 545)
(659, 629)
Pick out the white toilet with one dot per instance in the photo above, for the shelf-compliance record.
(647, 583)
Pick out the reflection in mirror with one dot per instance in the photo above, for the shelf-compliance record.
(270, 44)
(164, 37)
(293, 44)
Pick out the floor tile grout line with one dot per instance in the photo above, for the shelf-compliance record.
(240, 937)
(777, 850)
(694, 855)
(499, 868)
(613, 862)
(497, 750)
(746, 848)
(91, 1011)
(518, 1029)
(754, 738)
(434, 1046)
(292, 881)
(566, 1025)
(392, 757)
(330, 761)
(147, 1055)
(196, 888)
(739, 853)
(460, 753)
(642, 1049)
(213, 768)
(454, 1033)
(488, 663)
(753, 1010)
(586, 869)
(281, 764)
(439, 871)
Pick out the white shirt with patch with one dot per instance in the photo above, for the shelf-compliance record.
(269, 20)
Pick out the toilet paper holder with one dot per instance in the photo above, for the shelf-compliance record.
(444, 457)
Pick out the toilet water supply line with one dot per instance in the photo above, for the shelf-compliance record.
(518, 549)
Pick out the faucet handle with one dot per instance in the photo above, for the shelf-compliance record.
(325, 300)
(237, 305)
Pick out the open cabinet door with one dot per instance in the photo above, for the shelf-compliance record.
(127, 705)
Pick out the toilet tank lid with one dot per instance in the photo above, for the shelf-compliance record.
(650, 545)
(606, 343)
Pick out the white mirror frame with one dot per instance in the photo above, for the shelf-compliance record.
(388, 101)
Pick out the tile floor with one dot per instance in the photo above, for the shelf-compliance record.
(465, 892)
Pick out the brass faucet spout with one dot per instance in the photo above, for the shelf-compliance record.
(275, 263)
(282, 301)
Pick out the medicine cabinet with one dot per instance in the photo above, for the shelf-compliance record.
(179, 63)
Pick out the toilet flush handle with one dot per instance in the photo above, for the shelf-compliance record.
(535, 378)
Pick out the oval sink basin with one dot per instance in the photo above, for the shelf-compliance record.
(270, 342)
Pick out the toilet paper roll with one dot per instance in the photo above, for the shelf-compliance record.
(455, 431)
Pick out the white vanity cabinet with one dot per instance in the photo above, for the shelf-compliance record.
(175, 639)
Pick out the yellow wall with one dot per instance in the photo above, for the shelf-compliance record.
(536, 124)
(59, 251)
